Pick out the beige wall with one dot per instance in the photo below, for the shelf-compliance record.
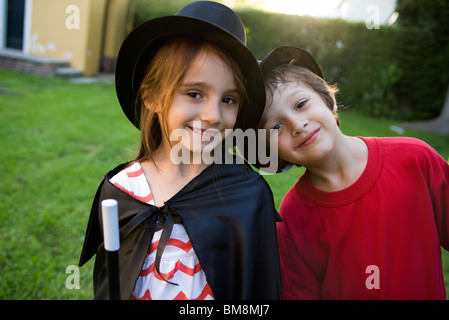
(118, 25)
(103, 24)
(55, 33)
(95, 35)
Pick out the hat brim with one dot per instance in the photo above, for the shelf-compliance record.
(289, 54)
(142, 43)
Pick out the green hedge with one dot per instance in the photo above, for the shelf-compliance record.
(375, 69)
(423, 53)
(359, 60)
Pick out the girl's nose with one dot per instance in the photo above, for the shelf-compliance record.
(211, 112)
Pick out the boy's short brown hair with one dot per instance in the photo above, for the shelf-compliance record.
(294, 73)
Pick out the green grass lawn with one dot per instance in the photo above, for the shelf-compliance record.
(57, 139)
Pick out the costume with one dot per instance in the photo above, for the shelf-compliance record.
(229, 216)
(377, 239)
(180, 275)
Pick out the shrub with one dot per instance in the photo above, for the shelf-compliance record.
(398, 72)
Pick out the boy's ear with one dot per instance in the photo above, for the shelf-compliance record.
(334, 109)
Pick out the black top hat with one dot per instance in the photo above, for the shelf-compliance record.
(206, 20)
(289, 54)
(285, 55)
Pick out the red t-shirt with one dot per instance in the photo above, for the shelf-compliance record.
(377, 239)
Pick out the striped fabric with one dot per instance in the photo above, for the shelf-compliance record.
(179, 263)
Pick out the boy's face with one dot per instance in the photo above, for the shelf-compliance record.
(304, 124)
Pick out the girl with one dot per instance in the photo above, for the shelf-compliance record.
(368, 217)
(188, 230)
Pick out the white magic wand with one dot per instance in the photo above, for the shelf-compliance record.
(109, 208)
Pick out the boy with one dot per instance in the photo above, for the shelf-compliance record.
(367, 218)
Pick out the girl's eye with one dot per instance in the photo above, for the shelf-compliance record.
(277, 126)
(229, 100)
(194, 95)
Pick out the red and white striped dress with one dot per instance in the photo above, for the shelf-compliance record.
(179, 263)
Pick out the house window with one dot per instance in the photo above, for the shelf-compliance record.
(14, 25)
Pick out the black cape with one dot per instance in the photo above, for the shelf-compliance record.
(229, 215)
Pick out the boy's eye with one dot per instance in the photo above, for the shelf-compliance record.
(301, 104)
(277, 126)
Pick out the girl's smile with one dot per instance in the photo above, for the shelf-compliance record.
(205, 134)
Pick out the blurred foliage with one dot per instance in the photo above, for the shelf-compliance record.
(423, 53)
(359, 60)
(397, 72)
(149, 9)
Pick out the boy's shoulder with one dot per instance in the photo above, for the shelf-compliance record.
(403, 141)
(407, 149)
(402, 145)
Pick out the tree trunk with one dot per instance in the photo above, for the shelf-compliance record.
(445, 111)
(439, 125)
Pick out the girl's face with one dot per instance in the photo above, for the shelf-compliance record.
(205, 104)
(304, 124)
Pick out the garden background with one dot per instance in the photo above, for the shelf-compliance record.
(58, 138)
